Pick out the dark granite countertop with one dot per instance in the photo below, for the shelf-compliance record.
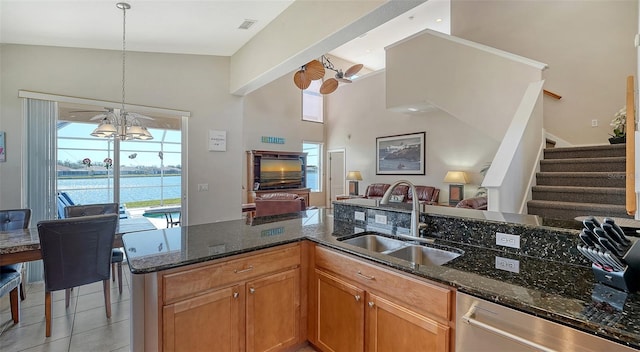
(561, 292)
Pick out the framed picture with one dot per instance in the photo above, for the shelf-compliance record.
(402, 154)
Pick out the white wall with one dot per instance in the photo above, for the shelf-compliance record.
(199, 84)
(357, 115)
(588, 46)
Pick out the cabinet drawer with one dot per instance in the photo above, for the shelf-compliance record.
(191, 281)
(423, 297)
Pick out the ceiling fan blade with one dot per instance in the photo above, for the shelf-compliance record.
(329, 86)
(353, 70)
(301, 79)
(314, 70)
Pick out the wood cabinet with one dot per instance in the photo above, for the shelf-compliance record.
(246, 304)
(219, 310)
(376, 309)
(339, 314)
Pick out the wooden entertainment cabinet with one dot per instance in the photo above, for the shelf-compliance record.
(253, 169)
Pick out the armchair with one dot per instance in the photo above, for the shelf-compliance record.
(376, 190)
(279, 203)
(426, 195)
(479, 203)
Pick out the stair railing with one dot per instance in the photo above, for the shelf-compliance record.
(631, 149)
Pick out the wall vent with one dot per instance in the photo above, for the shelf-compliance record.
(247, 24)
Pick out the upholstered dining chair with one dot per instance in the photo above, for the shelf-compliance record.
(76, 252)
(14, 219)
(117, 257)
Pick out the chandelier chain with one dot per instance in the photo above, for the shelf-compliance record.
(124, 30)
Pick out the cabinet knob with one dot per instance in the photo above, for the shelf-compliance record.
(371, 304)
(252, 290)
(357, 297)
(236, 294)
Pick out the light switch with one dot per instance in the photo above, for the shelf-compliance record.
(203, 187)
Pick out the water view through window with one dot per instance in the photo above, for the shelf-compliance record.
(149, 172)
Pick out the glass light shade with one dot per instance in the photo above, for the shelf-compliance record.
(354, 176)
(457, 177)
(145, 134)
(104, 130)
(134, 131)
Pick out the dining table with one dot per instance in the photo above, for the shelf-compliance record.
(23, 245)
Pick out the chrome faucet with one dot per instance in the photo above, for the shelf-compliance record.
(415, 212)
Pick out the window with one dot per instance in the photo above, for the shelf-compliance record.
(312, 103)
(314, 165)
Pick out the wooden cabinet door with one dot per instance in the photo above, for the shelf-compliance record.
(339, 314)
(273, 311)
(391, 327)
(204, 323)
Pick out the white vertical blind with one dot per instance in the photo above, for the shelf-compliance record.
(40, 119)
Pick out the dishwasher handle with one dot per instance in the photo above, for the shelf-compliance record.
(467, 318)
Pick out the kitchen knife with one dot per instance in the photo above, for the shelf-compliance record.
(587, 240)
(613, 234)
(589, 223)
(613, 259)
(609, 260)
(603, 234)
(609, 245)
(593, 238)
(618, 229)
(592, 257)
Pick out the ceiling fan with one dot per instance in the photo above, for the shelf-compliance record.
(315, 69)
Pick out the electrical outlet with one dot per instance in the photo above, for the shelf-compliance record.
(381, 219)
(507, 264)
(358, 229)
(203, 187)
(359, 215)
(594, 123)
(507, 240)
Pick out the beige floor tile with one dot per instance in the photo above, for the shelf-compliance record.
(96, 300)
(61, 345)
(107, 338)
(18, 338)
(96, 318)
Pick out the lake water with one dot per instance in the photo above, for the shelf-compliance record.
(100, 190)
(133, 189)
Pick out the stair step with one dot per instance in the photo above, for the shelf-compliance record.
(593, 151)
(582, 179)
(616, 163)
(570, 210)
(600, 195)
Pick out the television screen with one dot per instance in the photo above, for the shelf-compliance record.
(277, 173)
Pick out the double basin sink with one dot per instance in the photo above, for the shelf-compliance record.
(405, 249)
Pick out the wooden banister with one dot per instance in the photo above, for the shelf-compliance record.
(631, 149)
(551, 94)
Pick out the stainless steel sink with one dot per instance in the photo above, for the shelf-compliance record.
(426, 255)
(375, 243)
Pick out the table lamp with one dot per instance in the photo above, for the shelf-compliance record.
(353, 177)
(457, 180)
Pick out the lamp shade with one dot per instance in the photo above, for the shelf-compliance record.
(354, 176)
(459, 177)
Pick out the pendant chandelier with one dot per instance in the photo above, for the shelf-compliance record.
(124, 125)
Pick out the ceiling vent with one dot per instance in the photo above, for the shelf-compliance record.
(247, 24)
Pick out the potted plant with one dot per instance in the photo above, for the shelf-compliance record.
(619, 124)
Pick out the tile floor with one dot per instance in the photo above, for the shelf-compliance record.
(82, 327)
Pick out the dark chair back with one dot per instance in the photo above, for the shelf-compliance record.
(74, 211)
(14, 219)
(76, 251)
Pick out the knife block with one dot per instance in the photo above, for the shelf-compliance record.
(627, 280)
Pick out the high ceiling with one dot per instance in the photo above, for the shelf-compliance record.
(206, 27)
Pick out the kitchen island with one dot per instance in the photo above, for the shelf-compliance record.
(556, 287)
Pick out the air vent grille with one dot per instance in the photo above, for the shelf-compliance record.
(247, 24)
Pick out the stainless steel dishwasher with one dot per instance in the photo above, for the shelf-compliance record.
(485, 326)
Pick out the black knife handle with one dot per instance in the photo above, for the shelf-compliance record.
(610, 246)
(615, 236)
(618, 229)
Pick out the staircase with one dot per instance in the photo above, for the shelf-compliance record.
(580, 181)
